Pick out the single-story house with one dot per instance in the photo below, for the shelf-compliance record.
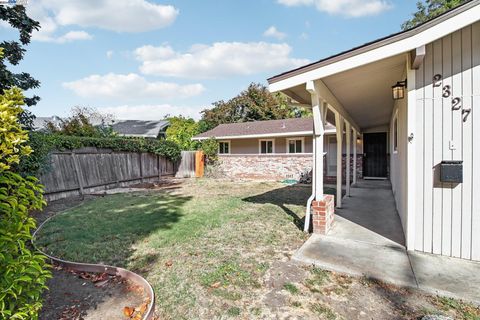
(414, 96)
(273, 149)
(141, 128)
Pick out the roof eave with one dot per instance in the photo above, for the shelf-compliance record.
(392, 45)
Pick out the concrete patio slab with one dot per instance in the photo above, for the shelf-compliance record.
(453, 277)
(367, 240)
(386, 263)
(369, 215)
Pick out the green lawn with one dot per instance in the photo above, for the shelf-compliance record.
(218, 249)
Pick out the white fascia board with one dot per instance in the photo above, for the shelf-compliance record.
(265, 135)
(436, 32)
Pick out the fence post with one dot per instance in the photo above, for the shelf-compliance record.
(159, 168)
(141, 167)
(78, 171)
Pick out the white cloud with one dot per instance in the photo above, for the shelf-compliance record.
(115, 15)
(220, 59)
(274, 33)
(153, 53)
(109, 54)
(67, 37)
(349, 8)
(130, 86)
(150, 112)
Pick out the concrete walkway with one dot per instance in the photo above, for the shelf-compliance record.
(367, 240)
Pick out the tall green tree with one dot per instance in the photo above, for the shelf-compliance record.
(181, 131)
(429, 9)
(253, 104)
(13, 52)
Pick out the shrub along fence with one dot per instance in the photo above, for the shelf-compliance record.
(90, 169)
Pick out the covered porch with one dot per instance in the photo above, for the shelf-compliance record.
(359, 102)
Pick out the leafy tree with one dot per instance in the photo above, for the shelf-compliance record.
(181, 131)
(429, 9)
(210, 149)
(84, 122)
(253, 104)
(23, 272)
(14, 51)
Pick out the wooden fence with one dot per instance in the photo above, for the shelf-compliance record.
(186, 169)
(87, 170)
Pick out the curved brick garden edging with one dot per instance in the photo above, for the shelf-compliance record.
(100, 268)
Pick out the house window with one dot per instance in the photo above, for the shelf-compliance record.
(266, 146)
(295, 145)
(395, 133)
(224, 147)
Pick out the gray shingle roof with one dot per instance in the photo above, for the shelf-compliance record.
(273, 127)
(140, 128)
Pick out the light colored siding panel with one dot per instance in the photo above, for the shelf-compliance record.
(437, 149)
(475, 119)
(446, 105)
(467, 144)
(457, 124)
(420, 159)
(428, 152)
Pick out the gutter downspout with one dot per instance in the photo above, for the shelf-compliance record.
(306, 227)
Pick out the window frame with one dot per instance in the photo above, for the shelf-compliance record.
(266, 140)
(229, 146)
(302, 139)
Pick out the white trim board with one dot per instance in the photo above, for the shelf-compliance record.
(416, 40)
(264, 135)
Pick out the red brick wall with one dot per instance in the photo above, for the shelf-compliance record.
(333, 179)
(265, 167)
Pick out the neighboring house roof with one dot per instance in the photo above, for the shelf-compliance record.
(417, 32)
(40, 123)
(140, 128)
(258, 129)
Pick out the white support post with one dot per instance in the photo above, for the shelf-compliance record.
(339, 130)
(318, 130)
(411, 166)
(354, 180)
(348, 137)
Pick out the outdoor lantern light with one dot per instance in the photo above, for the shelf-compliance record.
(398, 90)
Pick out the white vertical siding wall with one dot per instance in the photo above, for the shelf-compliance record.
(398, 160)
(448, 216)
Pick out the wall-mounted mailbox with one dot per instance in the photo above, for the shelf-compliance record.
(451, 171)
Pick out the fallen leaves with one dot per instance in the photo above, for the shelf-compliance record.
(128, 311)
(138, 312)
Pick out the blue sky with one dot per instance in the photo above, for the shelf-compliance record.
(142, 59)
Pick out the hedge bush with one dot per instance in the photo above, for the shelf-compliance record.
(23, 272)
(43, 144)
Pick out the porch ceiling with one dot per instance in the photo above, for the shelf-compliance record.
(365, 92)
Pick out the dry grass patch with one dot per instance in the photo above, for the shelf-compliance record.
(217, 249)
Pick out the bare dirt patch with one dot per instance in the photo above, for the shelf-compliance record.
(87, 296)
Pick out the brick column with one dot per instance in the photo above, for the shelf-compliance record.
(322, 214)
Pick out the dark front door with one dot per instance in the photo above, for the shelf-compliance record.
(375, 155)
